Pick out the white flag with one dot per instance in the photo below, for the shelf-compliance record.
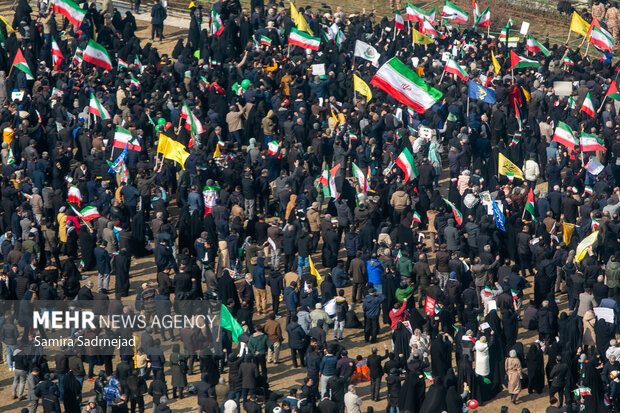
(366, 51)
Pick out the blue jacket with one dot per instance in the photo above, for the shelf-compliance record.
(372, 305)
(290, 298)
(102, 258)
(328, 365)
(258, 274)
(374, 270)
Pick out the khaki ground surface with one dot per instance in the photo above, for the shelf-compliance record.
(281, 377)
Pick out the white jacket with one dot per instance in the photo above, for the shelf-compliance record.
(482, 358)
(531, 171)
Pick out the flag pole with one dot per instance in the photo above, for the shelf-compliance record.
(602, 103)
(468, 110)
(442, 74)
(568, 38)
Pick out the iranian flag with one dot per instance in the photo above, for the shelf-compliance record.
(428, 29)
(453, 67)
(567, 61)
(134, 82)
(273, 147)
(398, 20)
(217, 27)
(56, 53)
(303, 39)
(416, 217)
(517, 62)
(458, 217)
(122, 138)
(74, 13)
(415, 14)
(402, 83)
(122, 64)
(475, 9)
(453, 13)
(265, 41)
(484, 20)
(591, 143)
(74, 196)
(78, 56)
(564, 135)
(192, 123)
(97, 55)
(587, 106)
(612, 91)
(19, 62)
(582, 391)
(529, 205)
(533, 46)
(87, 214)
(406, 162)
(97, 109)
(600, 37)
(361, 177)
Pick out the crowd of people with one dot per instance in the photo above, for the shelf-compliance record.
(290, 203)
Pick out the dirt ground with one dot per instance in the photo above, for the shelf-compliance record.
(282, 376)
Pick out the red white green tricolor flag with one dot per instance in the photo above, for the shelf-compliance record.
(19, 62)
(406, 162)
(303, 39)
(404, 85)
(564, 134)
(458, 217)
(74, 13)
(600, 37)
(427, 29)
(484, 20)
(529, 205)
(361, 177)
(122, 138)
(122, 64)
(398, 20)
(453, 67)
(97, 55)
(582, 391)
(87, 214)
(273, 147)
(266, 41)
(533, 46)
(97, 109)
(587, 106)
(217, 27)
(192, 123)
(591, 143)
(416, 217)
(453, 13)
(415, 14)
(56, 53)
(517, 62)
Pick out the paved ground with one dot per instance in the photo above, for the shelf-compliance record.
(282, 376)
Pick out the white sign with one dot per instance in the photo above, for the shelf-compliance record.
(425, 132)
(563, 88)
(318, 70)
(19, 95)
(525, 26)
(605, 313)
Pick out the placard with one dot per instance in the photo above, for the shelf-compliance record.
(605, 313)
(318, 69)
(525, 26)
(562, 88)
(17, 95)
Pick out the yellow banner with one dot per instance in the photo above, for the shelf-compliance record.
(173, 150)
(567, 232)
(506, 167)
(314, 272)
(496, 65)
(300, 20)
(361, 87)
(419, 38)
(579, 25)
(585, 245)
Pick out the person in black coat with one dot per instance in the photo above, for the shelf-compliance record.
(545, 323)
(72, 393)
(376, 372)
(535, 369)
(121, 270)
(276, 284)
(87, 247)
(296, 341)
(412, 393)
(226, 290)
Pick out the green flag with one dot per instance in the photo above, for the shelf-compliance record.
(228, 322)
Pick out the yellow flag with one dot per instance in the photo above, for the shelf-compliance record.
(216, 153)
(300, 21)
(567, 232)
(585, 245)
(506, 167)
(527, 94)
(314, 272)
(361, 87)
(496, 65)
(162, 143)
(419, 38)
(579, 25)
(9, 28)
(175, 151)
